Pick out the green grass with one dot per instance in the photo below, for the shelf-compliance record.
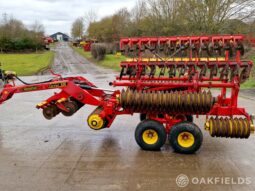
(110, 61)
(26, 64)
(248, 84)
(251, 82)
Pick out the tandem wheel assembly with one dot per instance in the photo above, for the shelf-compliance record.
(185, 137)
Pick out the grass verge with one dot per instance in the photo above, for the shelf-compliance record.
(251, 82)
(110, 61)
(248, 84)
(26, 64)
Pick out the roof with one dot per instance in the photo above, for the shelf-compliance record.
(59, 33)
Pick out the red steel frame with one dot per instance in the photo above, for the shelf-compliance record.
(131, 42)
(71, 87)
(224, 106)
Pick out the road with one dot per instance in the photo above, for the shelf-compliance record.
(65, 154)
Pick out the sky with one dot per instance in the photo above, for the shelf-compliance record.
(58, 15)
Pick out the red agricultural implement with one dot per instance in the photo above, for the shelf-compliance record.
(47, 41)
(87, 44)
(167, 90)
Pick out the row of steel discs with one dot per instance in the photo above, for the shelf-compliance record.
(224, 72)
(172, 102)
(228, 127)
(184, 49)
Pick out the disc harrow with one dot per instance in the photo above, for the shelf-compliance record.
(162, 71)
(167, 80)
(184, 46)
(50, 111)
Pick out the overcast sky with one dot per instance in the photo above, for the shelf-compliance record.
(58, 15)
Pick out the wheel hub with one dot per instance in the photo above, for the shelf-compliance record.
(186, 139)
(150, 136)
(95, 122)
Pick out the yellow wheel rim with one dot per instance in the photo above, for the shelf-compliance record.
(186, 139)
(95, 122)
(150, 136)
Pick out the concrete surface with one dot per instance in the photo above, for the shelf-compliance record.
(65, 154)
(248, 94)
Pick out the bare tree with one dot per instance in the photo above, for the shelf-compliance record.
(15, 36)
(139, 11)
(78, 28)
(209, 16)
(178, 17)
(120, 23)
(37, 27)
(164, 15)
(89, 17)
(11, 27)
(241, 9)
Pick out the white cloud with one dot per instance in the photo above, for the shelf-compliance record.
(58, 15)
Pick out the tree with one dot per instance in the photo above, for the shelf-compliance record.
(209, 16)
(177, 17)
(14, 36)
(89, 17)
(121, 24)
(163, 17)
(102, 30)
(111, 28)
(78, 28)
(37, 27)
(37, 32)
(11, 27)
(137, 26)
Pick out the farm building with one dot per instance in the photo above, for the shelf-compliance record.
(60, 37)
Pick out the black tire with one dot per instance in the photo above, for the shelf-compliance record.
(48, 112)
(56, 111)
(72, 107)
(183, 127)
(190, 118)
(154, 127)
(142, 116)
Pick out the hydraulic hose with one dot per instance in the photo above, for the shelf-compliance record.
(32, 83)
